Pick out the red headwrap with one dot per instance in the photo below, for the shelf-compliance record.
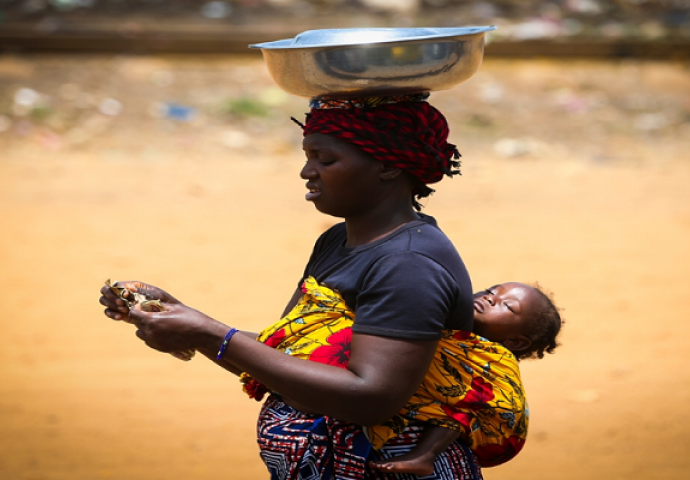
(410, 135)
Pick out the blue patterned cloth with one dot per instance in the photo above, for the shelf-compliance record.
(298, 446)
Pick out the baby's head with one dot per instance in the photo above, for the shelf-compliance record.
(521, 317)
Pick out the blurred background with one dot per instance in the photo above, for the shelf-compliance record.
(594, 27)
(142, 140)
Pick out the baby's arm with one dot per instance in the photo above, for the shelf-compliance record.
(420, 460)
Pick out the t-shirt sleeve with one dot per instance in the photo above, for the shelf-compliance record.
(405, 295)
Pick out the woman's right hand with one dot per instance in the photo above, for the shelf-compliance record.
(117, 309)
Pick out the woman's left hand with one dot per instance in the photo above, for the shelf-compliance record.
(177, 328)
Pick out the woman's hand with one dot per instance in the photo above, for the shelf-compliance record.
(116, 307)
(177, 328)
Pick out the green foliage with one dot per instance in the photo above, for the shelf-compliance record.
(40, 113)
(245, 107)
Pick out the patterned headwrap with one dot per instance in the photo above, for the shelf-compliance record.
(405, 132)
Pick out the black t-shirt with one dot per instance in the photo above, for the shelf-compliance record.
(410, 284)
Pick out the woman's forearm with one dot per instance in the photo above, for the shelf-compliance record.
(381, 376)
(382, 373)
(223, 362)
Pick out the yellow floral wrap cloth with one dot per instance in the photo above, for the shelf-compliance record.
(473, 385)
(318, 328)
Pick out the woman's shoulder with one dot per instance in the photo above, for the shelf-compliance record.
(337, 229)
(426, 237)
(336, 233)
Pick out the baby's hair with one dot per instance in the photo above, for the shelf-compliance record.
(545, 327)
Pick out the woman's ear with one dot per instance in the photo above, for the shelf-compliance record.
(389, 172)
(517, 344)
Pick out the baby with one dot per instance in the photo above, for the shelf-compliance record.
(512, 316)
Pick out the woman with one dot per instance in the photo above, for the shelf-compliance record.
(369, 161)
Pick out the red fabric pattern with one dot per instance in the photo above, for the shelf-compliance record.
(337, 353)
(490, 455)
(275, 339)
(409, 135)
(480, 394)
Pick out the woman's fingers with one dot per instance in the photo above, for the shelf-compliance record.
(176, 328)
(116, 298)
(112, 314)
(156, 293)
(113, 311)
(115, 307)
(148, 328)
(142, 336)
(145, 338)
(151, 292)
(112, 305)
(111, 298)
(137, 317)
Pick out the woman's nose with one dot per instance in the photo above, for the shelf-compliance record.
(489, 299)
(308, 171)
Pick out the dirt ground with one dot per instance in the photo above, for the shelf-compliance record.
(575, 174)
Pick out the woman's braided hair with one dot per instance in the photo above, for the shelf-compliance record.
(545, 327)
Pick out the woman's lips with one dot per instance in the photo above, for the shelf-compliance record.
(479, 306)
(313, 193)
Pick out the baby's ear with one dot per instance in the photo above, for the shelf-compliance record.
(517, 344)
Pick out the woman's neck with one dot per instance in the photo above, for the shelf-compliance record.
(376, 225)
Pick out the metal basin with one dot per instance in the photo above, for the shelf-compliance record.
(342, 63)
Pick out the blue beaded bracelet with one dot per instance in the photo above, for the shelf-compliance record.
(224, 345)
